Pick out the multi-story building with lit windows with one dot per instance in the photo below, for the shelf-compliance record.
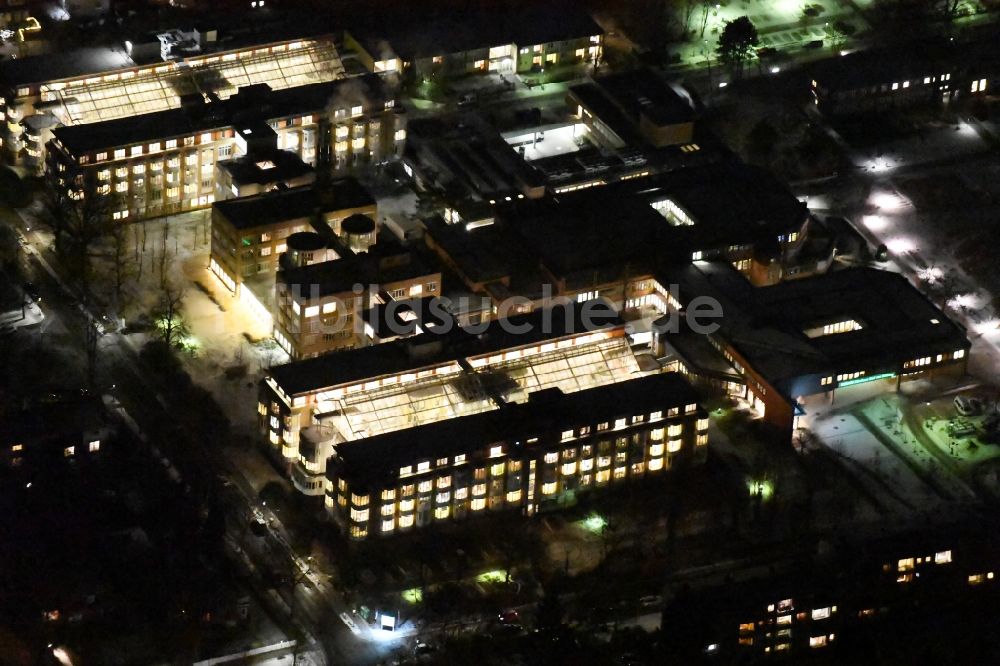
(165, 162)
(319, 305)
(524, 456)
(94, 85)
(532, 38)
(435, 376)
(250, 233)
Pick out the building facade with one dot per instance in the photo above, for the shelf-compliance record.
(165, 163)
(250, 233)
(525, 457)
(93, 85)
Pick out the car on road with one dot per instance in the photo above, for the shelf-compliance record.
(651, 601)
(509, 616)
(968, 405)
(423, 651)
(258, 527)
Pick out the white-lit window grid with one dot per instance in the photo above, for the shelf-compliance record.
(445, 504)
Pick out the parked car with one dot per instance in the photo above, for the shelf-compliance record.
(968, 405)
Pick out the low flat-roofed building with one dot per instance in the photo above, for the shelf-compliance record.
(259, 172)
(524, 457)
(443, 373)
(478, 40)
(612, 241)
(164, 162)
(58, 427)
(250, 233)
(923, 71)
(815, 335)
(626, 107)
(468, 161)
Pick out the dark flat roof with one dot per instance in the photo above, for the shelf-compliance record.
(766, 324)
(64, 65)
(285, 165)
(465, 30)
(546, 413)
(80, 139)
(427, 349)
(290, 204)
(341, 275)
(269, 207)
(642, 92)
(614, 226)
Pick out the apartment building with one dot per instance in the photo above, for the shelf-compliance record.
(522, 457)
(165, 162)
(478, 40)
(319, 306)
(437, 375)
(93, 85)
(250, 233)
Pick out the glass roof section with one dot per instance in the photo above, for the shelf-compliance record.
(438, 398)
(159, 87)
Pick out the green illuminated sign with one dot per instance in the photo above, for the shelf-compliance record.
(870, 378)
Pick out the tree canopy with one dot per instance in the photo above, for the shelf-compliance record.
(737, 44)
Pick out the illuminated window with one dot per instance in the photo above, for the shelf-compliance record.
(905, 564)
(441, 512)
(817, 641)
(388, 525)
(619, 472)
(459, 459)
(549, 488)
(567, 434)
(424, 487)
(312, 310)
(478, 504)
(943, 557)
(406, 471)
(821, 613)
(69, 451)
(423, 466)
(94, 446)
(959, 354)
(496, 451)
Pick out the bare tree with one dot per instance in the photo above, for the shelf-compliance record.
(121, 263)
(78, 215)
(168, 314)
